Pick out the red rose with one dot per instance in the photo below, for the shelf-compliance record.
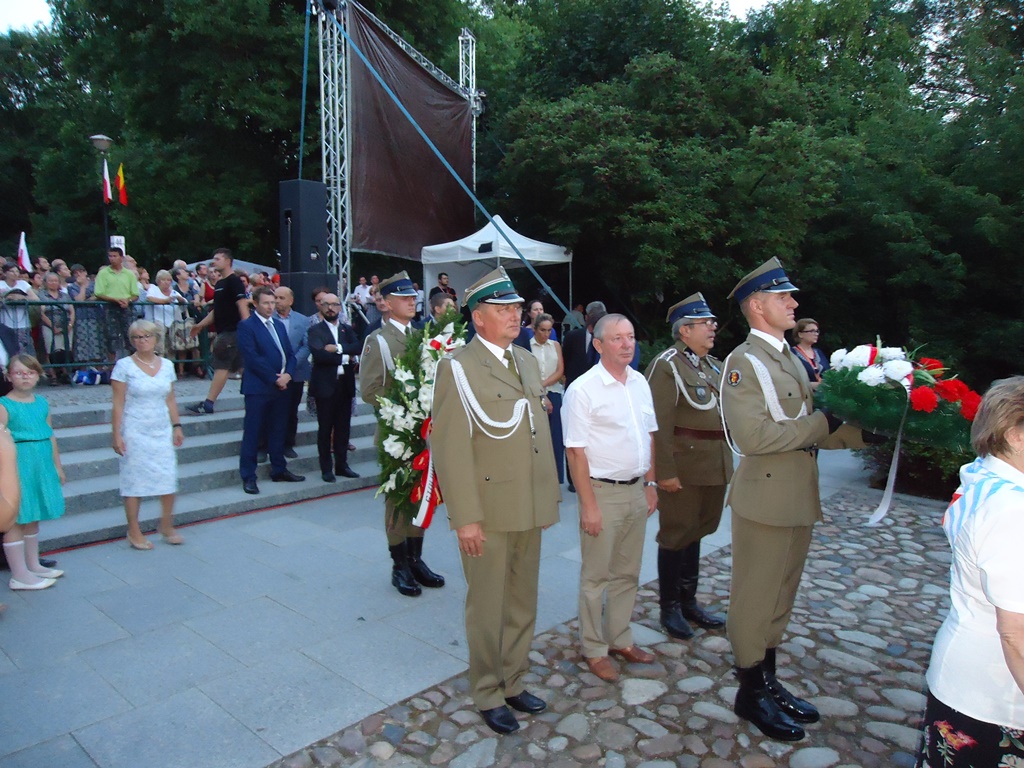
(952, 390)
(969, 405)
(924, 399)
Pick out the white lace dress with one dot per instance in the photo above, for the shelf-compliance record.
(149, 466)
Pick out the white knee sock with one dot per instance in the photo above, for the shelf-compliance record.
(15, 554)
(32, 552)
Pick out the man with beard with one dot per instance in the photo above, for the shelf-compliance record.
(335, 349)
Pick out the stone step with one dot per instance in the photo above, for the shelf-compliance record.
(108, 522)
(64, 416)
(87, 453)
(87, 494)
(70, 416)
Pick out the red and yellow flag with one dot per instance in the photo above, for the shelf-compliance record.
(119, 183)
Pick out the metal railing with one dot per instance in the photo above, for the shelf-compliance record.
(99, 333)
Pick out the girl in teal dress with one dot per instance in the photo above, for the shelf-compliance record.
(27, 416)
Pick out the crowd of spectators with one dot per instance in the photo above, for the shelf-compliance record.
(74, 321)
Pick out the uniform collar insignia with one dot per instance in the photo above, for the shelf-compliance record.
(692, 357)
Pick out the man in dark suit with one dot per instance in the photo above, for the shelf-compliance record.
(335, 348)
(578, 348)
(269, 364)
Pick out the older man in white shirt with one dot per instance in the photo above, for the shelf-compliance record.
(608, 421)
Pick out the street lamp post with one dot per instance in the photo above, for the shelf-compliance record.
(102, 144)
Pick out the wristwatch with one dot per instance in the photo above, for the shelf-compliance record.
(650, 484)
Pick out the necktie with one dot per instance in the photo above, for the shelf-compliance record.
(277, 341)
(511, 363)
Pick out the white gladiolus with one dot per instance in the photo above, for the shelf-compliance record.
(404, 375)
(390, 484)
(393, 447)
(873, 375)
(836, 361)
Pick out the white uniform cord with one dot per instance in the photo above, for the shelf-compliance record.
(476, 414)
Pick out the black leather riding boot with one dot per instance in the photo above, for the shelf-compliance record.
(419, 569)
(798, 709)
(691, 609)
(669, 568)
(402, 577)
(754, 702)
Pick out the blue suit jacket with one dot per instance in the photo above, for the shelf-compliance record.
(297, 324)
(261, 357)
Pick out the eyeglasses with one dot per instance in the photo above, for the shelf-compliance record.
(708, 323)
(810, 330)
(141, 336)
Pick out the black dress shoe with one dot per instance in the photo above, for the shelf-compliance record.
(526, 702)
(328, 477)
(289, 453)
(287, 477)
(500, 720)
(249, 486)
(346, 471)
(47, 562)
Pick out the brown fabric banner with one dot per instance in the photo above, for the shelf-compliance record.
(401, 196)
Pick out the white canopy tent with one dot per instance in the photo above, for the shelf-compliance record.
(472, 257)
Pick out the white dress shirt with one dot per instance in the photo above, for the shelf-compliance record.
(611, 421)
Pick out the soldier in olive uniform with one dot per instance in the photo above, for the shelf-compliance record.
(491, 447)
(405, 540)
(692, 463)
(771, 423)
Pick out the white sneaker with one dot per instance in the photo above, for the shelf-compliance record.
(15, 584)
(48, 573)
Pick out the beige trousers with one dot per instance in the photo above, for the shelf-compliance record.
(501, 610)
(609, 575)
(767, 562)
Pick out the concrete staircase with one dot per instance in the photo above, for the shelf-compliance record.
(209, 485)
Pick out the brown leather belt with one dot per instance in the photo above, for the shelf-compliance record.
(700, 434)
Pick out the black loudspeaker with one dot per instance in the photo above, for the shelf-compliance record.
(302, 219)
(302, 285)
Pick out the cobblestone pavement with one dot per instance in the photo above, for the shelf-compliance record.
(859, 642)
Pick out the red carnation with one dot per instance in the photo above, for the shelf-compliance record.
(924, 399)
(969, 405)
(952, 390)
(931, 364)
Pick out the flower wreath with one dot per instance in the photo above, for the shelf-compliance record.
(404, 419)
(881, 388)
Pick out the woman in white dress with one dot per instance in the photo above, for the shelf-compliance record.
(146, 429)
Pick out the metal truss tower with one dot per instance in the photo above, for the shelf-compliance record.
(336, 139)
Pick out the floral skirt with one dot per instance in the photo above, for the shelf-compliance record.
(954, 740)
